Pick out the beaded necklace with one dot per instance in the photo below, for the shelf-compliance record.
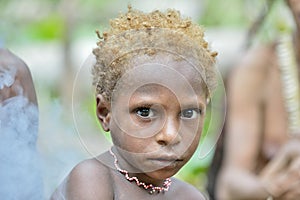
(290, 83)
(149, 187)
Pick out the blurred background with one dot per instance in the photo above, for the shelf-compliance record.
(56, 37)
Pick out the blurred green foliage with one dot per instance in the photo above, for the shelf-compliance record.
(278, 21)
(224, 13)
(45, 29)
(46, 21)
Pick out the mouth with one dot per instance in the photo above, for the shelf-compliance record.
(166, 161)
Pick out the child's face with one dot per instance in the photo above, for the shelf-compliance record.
(157, 114)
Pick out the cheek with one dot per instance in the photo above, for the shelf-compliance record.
(192, 130)
(191, 134)
(193, 145)
(194, 139)
(119, 138)
(127, 142)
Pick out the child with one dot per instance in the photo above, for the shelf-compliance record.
(154, 76)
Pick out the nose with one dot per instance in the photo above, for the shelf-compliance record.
(169, 134)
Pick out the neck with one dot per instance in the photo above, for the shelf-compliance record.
(134, 171)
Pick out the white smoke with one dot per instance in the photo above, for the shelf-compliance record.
(20, 175)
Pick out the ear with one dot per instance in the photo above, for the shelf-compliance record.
(103, 112)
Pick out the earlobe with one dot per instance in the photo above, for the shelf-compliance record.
(103, 111)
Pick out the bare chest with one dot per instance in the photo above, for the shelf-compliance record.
(124, 190)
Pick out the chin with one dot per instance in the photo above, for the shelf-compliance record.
(163, 173)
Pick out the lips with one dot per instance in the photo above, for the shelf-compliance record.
(165, 161)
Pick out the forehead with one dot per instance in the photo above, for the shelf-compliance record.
(161, 74)
(158, 94)
(166, 68)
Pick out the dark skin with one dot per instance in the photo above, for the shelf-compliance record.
(22, 77)
(173, 132)
(261, 158)
(84, 183)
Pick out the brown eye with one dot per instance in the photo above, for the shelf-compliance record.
(190, 113)
(144, 112)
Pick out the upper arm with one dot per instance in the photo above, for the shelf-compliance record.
(245, 97)
(17, 70)
(90, 181)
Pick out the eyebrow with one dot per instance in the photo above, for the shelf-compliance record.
(149, 88)
(193, 105)
(147, 101)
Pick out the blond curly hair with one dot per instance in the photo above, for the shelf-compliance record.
(136, 33)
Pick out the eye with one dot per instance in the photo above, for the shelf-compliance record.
(144, 112)
(190, 113)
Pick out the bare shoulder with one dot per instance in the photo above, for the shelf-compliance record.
(89, 180)
(251, 72)
(183, 190)
(17, 77)
(258, 57)
(9, 60)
